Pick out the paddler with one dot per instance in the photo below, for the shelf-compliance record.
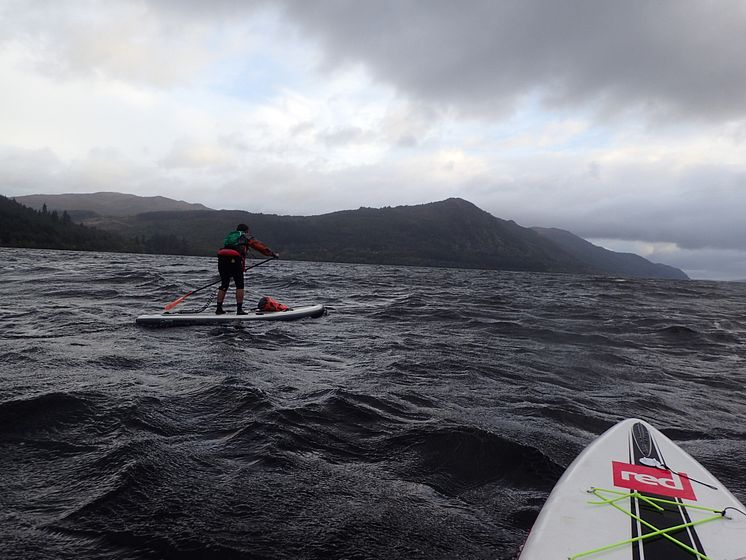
(232, 264)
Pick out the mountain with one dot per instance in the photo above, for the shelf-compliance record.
(21, 226)
(609, 262)
(87, 207)
(449, 233)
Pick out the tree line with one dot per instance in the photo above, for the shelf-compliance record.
(21, 226)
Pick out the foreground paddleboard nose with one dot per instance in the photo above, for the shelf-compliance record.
(634, 494)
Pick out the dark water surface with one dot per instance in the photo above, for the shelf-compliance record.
(427, 415)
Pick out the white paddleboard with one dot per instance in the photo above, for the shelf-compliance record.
(174, 319)
(623, 498)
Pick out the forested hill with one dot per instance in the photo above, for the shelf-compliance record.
(88, 205)
(21, 226)
(611, 262)
(449, 233)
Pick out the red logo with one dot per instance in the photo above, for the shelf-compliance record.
(653, 481)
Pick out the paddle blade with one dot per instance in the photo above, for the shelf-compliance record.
(170, 306)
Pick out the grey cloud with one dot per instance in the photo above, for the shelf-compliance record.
(302, 128)
(666, 58)
(712, 264)
(709, 215)
(25, 172)
(234, 141)
(346, 135)
(28, 171)
(154, 43)
(703, 210)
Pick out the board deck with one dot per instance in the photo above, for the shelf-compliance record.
(175, 319)
(633, 494)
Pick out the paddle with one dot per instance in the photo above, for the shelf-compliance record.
(170, 306)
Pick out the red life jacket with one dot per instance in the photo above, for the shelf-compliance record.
(241, 251)
(241, 247)
(269, 305)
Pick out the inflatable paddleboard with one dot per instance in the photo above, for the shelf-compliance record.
(173, 319)
(633, 494)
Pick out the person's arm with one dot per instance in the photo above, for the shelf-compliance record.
(262, 248)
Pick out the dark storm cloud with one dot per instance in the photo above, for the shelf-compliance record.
(701, 208)
(709, 217)
(708, 264)
(665, 58)
(706, 212)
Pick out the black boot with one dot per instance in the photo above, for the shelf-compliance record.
(219, 310)
(239, 309)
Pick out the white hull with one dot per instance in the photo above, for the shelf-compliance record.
(628, 464)
(173, 319)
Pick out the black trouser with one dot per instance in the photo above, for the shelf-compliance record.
(230, 267)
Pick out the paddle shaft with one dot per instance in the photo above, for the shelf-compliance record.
(174, 303)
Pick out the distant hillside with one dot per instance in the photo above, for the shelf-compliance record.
(21, 226)
(450, 233)
(89, 206)
(609, 262)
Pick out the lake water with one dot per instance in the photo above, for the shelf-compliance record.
(428, 415)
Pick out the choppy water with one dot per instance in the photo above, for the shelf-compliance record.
(427, 415)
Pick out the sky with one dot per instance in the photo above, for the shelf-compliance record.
(621, 121)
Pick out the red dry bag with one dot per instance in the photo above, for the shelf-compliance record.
(268, 304)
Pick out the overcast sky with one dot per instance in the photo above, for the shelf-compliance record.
(621, 121)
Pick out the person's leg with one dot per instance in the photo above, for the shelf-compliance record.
(221, 298)
(238, 279)
(225, 280)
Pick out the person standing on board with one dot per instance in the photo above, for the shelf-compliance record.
(232, 264)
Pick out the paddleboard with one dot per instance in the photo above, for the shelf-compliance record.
(633, 494)
(174, 319)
